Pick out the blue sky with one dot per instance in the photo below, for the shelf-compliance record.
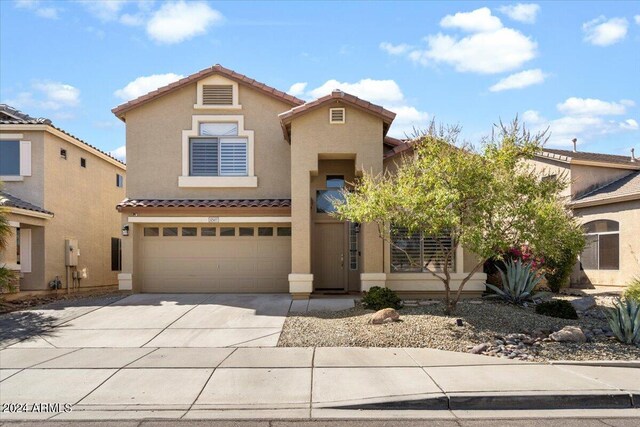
(570, 66)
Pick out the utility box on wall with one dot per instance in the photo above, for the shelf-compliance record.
(71, 252)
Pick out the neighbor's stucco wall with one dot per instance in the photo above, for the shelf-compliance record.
(31, 188)
(546, 167)
(587, 178)
(628, 216)
(154, 146)
(83, 201)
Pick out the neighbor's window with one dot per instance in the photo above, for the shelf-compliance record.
(326, 199)
(151, 231)
(83, 162)
(416, 252)
(265, 231)
(10, 158)
(602, 251)
(246, 231)
(284, 231)
(218, 151)
(169, 231)
(227, 231)
(116, 254)
(208, 231)
(189, 231)
(119, 180)
(63, 153)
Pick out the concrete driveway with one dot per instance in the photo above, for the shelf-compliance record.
(151, 321)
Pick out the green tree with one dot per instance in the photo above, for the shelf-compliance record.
(485, 200)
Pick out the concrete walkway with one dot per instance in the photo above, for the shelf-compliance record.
(299, 383)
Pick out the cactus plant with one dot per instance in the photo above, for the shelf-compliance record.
(624, 320)
(518, 282)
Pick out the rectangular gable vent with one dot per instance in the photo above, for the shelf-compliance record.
(336, 115)
(217, 95)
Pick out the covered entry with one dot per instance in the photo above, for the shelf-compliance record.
(215, 258)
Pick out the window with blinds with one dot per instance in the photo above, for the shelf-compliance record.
(218, 152)
(217, 95)
(416, 252)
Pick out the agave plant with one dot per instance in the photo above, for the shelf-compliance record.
(518, 282)
(624, 320)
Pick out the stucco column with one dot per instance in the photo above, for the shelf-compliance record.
(300, 279)
(125, 277)
(373, 247)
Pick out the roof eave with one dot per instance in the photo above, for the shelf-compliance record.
(604, 201)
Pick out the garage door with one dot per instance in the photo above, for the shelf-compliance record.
(215, 258)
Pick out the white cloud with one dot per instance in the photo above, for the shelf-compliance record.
(629, 124)
(382, 92)
(145, 84)
(490, 48)
(131, 20)
(487, 53)
(519, 80)
(297, 89)
(521, 12)
(36, 6)
(592, 107)
(179, 21)
(104, 10)
(392, 49)
(479, 20)
(603, 32)
(47, 95)
(637, 19)
(120, 153)
(532, 117)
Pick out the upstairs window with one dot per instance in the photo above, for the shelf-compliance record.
(119, 180)
(83, 162)
(63, 153)
(602, 251)
(10, 158)
(218, 151)
(217, 94)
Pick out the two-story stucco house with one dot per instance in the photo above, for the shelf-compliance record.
(60, 193)
(231, 184)
(604, 193)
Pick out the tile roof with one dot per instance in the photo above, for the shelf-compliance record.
(627, 186)
(10, 201)
(216, 69)
(11, 116)
(568, 155)
(204, 203)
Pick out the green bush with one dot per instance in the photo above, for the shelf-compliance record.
(7, 279)
(557, 308)
(557, 271)
(633, 290)
(378, 298)
(624, 320)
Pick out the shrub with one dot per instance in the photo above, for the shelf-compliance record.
(518, 282)
(378, 298)
(557, 308)
(7, 279)
(558, 270)
(624, 320)
(633, 290)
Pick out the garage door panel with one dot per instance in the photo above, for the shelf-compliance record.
(215, 264)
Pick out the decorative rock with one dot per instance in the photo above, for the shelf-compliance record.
(480, 348)
(569, 334)
(583, 304)
(386, 315)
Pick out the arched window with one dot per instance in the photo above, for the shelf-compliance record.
(602, 251)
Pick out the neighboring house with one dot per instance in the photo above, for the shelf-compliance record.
(230, 187)
(60, 193)
(604, 193)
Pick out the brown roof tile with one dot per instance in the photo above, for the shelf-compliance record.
(204, 203)
(216, 69)
(10, 201)
(568, 155)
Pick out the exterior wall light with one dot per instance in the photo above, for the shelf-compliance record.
(125, 230)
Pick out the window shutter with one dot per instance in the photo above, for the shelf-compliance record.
(204, 157)
(233, 157)
(434, 248)
(25, 158)
(336, 115)
(405, 251)
(217, 95)
(25, 250)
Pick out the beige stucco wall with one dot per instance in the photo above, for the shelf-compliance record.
(547, 167)
(154, 146)
(628, 216)
(586, 178)
(31, 189)
(83, 201)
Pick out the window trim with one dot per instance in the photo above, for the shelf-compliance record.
(185, 180)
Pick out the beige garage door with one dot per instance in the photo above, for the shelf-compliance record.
(215, 258)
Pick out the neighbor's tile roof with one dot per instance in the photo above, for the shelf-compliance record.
(628, 185)
(216, 69)
(10, 201)
(568, 155)
(12, 116)
(204, 203)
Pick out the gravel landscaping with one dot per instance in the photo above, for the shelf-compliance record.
(489, 327)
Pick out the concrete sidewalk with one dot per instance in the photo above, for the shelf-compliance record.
(298, 383)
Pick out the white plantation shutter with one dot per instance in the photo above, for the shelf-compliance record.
(419, 253)
(233, 157)
(25, 158)
(204, 157)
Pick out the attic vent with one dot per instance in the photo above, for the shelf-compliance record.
(336, 115)
(217, 95)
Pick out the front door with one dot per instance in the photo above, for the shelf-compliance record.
(329, 267)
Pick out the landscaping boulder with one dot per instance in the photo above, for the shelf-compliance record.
(385, 315)
(480, 348)
(569, 334)
(583, 304)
